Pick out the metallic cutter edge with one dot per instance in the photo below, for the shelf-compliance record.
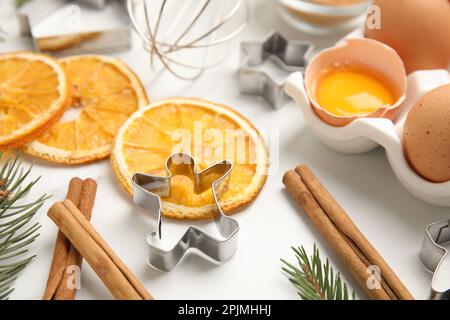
(147, 190)
(289, 55)
(107, 41)
(433, 254)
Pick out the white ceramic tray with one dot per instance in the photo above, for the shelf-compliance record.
(365, 134)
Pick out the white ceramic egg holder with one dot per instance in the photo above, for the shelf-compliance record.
(366, 134)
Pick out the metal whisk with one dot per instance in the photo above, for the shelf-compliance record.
(178, 32)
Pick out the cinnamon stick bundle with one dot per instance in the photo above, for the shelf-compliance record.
(343, 236)
(82, 194)
(121, 282)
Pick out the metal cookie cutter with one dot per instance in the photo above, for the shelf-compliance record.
(435, 258)
(75, 42)
(288, 55)
(148, 189)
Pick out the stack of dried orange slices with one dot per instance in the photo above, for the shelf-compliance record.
(71, 108)
(208, 131)
(105, 92)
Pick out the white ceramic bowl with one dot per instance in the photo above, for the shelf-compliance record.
(322, 18)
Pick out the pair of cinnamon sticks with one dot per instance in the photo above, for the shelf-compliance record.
(61, 284)
(76, 239)
(359, 256)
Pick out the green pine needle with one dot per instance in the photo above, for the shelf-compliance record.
(17, 231)
(313, 279)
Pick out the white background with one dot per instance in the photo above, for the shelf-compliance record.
(391, 218)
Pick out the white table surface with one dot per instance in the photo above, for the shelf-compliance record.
(391, 218)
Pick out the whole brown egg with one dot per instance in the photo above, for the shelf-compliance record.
(426, 135)
(419, 30)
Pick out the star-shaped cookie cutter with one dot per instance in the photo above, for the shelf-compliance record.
(435, 258)
(288, 55)
(147, 193)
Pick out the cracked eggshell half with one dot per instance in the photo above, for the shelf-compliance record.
(370, 56)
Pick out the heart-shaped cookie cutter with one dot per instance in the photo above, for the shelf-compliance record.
(147, 193)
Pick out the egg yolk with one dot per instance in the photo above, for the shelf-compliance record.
(347, 92)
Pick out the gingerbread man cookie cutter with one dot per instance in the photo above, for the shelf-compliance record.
(147, 193)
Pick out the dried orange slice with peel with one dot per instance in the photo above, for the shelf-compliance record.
(210, 133)
(104, 93)
(33, 95)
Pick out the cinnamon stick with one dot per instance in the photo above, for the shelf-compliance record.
(344, 237)
(121, 282)
(62, 246)
(353, 235)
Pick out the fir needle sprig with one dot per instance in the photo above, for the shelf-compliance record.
(17, 232)
(313, 279)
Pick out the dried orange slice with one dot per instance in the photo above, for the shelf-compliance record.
(209, 132)
(105, 93)
(33, 95)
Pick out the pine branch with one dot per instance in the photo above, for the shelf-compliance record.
(313, 279)
(17, 232)
(20, 3)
